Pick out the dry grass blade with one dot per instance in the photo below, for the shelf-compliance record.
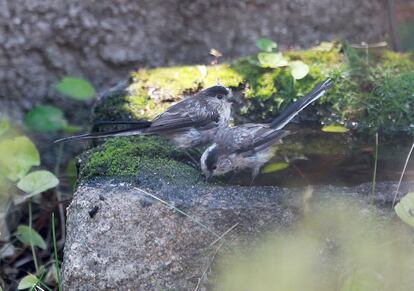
(208, 266)
(214, 254)
(402, 174)
(179, 211)
(224, 234)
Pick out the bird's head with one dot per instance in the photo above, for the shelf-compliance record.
(214, 163)
(219, 92)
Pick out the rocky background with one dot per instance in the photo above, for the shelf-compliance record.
(42, 41)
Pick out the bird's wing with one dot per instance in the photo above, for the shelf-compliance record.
(191, 112)
(238, 138)
(249, 138)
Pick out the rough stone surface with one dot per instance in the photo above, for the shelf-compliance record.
(133, 242)
(41, 41)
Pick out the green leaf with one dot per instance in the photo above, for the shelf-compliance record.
(76, 88)
(27, 282)
(37, 182)
(272, 60)
(17, 156)
(266, 44)
(4, 125)
(299, 69)
(405, 209)
(274, 167)
(363, 280)
(45, 118)
(29, 236)
(335, 128)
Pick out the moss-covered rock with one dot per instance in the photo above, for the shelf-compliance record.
(138, 157)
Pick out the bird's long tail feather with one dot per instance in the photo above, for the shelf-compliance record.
(139, 128)
(143, 123)
(292, 110)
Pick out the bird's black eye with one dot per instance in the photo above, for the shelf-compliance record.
(214, 168)
(219, 96)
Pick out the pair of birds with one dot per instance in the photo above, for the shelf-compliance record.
(203, 120)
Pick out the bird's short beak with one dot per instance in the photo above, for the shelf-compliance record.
(231, 98)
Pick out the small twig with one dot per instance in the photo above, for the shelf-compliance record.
(58, 193)
(226, 232)
(179, 211)
(208, 266)
(31, 241)
(365, 45)
(374, 178)
(55, 253)
(402, 175)
(214, 254)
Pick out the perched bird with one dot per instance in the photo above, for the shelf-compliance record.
(190, 123)
(249, 146)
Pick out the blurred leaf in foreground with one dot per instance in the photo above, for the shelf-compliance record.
(340, 245)
(17, 156)
(299, 69)
(45, 118)
(405, 209)
(272, 60)
(27, 282)
(29, 236)
(76, 88)
(363, 280)
(37, 182)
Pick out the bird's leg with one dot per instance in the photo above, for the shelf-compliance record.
(192, 159)
(232, 177)
(196, 151)
(255, 172)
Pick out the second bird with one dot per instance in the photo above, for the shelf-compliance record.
(249, 146)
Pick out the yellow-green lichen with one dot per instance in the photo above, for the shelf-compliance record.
(152, 91)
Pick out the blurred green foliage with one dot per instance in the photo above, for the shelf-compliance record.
(270, 58)
(45, 118)
(48, 118)
(336, 246)
(76, 88)
(405, 209)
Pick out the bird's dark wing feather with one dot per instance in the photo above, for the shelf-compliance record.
(238, 138)
(265, 141)
(250, 137)
(192, 112)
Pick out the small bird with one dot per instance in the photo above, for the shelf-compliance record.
(249, 146)
(190, 123)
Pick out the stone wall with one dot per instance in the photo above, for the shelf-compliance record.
(101, 40)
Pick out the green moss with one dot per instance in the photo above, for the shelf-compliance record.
(138, 156)
(269, 91)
